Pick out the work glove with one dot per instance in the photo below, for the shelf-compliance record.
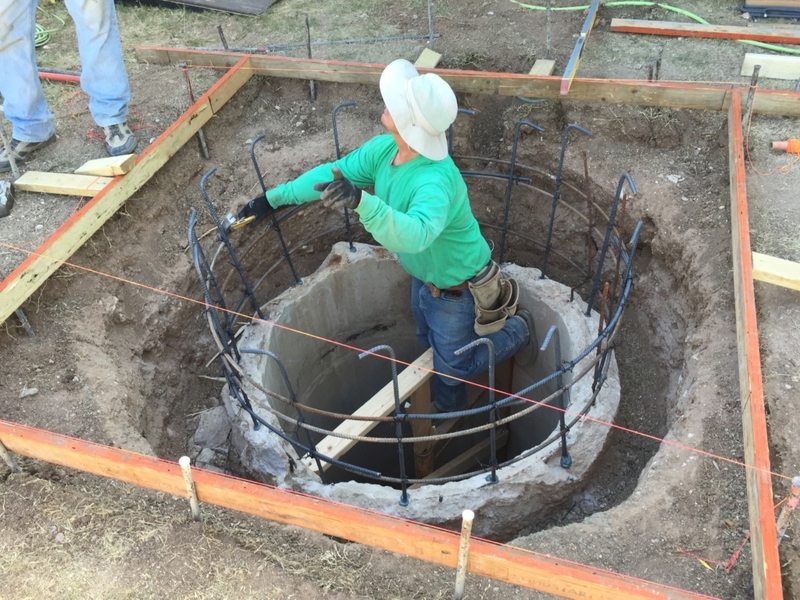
(258, 207)
(339, 192)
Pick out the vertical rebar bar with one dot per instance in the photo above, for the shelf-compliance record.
(492, 478)
(511, 182)
(611, 218)
(201, 136)
(275, 225)
(591, 248)
(399, 417)
(338, 156)
(620, 247)
(600, 324)
(557, 190)
(566, 459)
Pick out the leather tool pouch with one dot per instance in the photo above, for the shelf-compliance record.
(496, 300)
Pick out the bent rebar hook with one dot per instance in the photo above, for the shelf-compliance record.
(275, 224)
(511, 181)
(607, 239)
(557, 190)
(338, 156)
(566, 459)
(399, 417)
(492, 478)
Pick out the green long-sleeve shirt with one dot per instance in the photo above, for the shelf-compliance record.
(420, 210)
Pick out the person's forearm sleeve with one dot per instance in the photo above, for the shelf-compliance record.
(300, 190)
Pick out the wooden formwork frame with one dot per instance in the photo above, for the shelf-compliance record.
(548, 576)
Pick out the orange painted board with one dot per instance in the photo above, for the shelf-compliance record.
(759, 34)
(47, 258)
(497, 561)
(764, 539)
(699, 96)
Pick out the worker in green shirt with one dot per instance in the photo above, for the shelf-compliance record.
(420, 210)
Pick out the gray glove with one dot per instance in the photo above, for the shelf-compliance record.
(339, 192)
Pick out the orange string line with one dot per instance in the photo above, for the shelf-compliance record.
(432, 371)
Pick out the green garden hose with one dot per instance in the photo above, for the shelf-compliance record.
(42, 35)
(674, 9)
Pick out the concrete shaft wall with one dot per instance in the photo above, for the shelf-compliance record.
(362, 299)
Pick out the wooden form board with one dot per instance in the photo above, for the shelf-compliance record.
(772, 67)
(764, 539)
(67, 184)
(607, 91)
(47, 258)
(575, 58)
(543, 67)
(776, 271)
(108, 167)
(380, 405)
(760, 34)
(431, 544)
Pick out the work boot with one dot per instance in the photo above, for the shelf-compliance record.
(527, 354)
(119, 139)
(21, 151)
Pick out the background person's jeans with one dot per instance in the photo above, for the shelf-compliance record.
(446, 324)
(103, 74)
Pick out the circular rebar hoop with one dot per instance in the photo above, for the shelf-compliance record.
(599, 364)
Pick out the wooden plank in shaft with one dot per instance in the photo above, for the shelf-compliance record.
(776, 271)
(607, 91)
(764, 539)
(41, 263)
(575, 58)
(760, 34)
(380, 405)
(497, 561)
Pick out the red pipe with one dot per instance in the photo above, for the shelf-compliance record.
(60, 77)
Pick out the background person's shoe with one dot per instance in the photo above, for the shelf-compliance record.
(119, 139)
(530, 352)
(21, 151)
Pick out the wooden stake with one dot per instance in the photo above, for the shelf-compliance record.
(748, 106)
(786, 512)
(463, 553)
(9, 459)
(186, 468)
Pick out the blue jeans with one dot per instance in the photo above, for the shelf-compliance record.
(446, 324)
(103, 75)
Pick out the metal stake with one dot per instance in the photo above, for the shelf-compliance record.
(463, 553)
(200, 134)
(748, 107)
(185, 463)
(222, 37)
(549, 19)
(430, 25)
(25, 323)
(9, 459)
(786, 512)
(311, 84)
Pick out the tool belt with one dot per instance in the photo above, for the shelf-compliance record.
(496, 299)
